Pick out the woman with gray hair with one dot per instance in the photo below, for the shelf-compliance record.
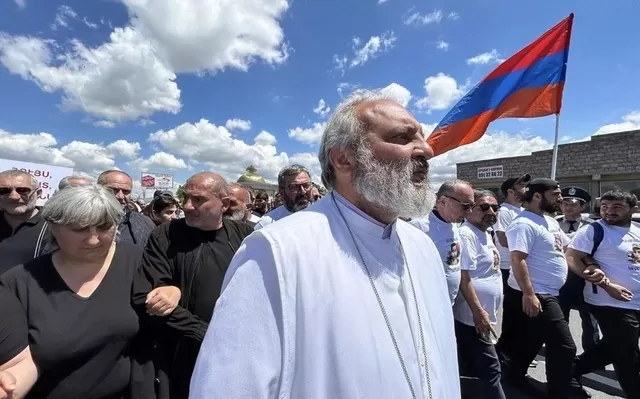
(83, 332)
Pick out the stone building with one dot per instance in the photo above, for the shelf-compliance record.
(603, 163)
(252, 179)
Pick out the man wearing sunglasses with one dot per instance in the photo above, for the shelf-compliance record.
(294, 186)
(454, 201)
(22, 235)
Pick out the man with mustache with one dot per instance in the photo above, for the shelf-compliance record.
(294, 187)
(454, 201)
(538, 271)
(476, 310)
(343, 299)
(193, 255)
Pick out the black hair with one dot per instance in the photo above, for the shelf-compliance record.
(619, 195)
(481, 192)
(159, 204)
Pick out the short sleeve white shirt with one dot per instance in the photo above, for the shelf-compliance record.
(506, 215)
(541, 238)
(619, 258)
(447, 240)
(481, 258)
(273, 216)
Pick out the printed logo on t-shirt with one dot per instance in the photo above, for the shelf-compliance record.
(496, 260)
(634, 257)
(557, 245)
(453, 257)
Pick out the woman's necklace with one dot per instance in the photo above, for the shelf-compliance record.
(384, 312)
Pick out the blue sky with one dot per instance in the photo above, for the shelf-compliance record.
(179, 86)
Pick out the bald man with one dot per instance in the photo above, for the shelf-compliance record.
(192, 254)
(239, 204)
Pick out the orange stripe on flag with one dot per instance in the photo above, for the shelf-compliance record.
(525, 103)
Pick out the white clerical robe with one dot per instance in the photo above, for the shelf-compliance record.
(298, 319)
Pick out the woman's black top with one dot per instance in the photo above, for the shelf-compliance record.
(13, 327)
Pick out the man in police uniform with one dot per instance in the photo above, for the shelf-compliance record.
(571, 296)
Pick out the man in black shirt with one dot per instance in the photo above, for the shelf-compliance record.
(134, 226)
(192, 254)
(22, 230)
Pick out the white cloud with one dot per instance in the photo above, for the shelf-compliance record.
(374, 46)
(322, 108)
(158, 161)
(210, 35)
(400, 93)
(427, 128)
(442, 45)
(238, 124)
(124, 148)
(424, 19)
(118, 81)
(630, 121)
(442, 91)
(132, 75)
(63, 15)
(486, 58)
(21, 3)
(310, 135)
(345, 88)
(105, 124)
(453, 16)
(204, 142)
(265, 138)
(382, 1)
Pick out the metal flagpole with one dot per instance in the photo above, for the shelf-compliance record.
(554, 159)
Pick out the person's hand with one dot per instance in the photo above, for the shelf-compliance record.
(483, 324)
(162, 301)
(618, 292)
(531, 305)
(7, 385)
(593, 274)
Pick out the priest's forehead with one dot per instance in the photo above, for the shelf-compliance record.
(388, 116)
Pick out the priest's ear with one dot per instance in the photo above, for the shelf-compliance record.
(343, 162)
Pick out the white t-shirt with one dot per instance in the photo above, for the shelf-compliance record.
(481, 258)
(619, 258)
(541, 238)
(273, 216)
(506, 215)
(447, 240)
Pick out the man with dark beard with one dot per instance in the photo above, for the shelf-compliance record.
(343, 299)
(294, 186)
(538, 271)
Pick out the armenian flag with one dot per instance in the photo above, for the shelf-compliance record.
(527, 85)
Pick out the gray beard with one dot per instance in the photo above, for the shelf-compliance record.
(238, 215)
(388, 186)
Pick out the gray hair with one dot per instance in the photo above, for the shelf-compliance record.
(21, 173)
(449, 187)
(481, 192)
(82, 207)
(103, 176)
(345, 130)
(65, 182)
(291, 170)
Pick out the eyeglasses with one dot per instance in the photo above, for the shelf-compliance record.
(116, 190)
(316, 197)
(24, 191)
(294, 188)
(486, 207)
(465, 205)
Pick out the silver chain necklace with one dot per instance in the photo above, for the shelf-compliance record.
(384, 312)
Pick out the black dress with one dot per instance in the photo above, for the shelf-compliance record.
(13, 327)
(82, 346)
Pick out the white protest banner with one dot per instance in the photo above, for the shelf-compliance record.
(47, 175)
(159, 181)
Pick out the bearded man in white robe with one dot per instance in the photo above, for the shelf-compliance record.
(342, 300)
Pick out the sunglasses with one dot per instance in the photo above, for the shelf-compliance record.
(20, 190)
(465, 205)
(116, 190)
(486, 207)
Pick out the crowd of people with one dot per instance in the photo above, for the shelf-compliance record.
(360, 291)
